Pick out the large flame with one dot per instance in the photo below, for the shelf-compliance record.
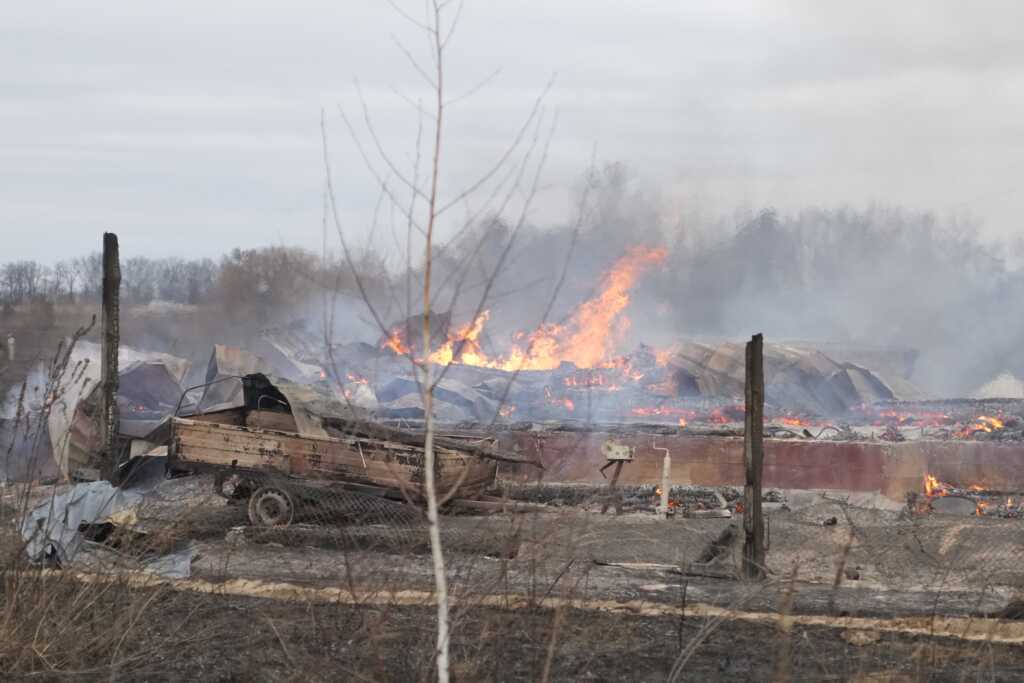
(983, 423)
(463, 343)
(588, 338)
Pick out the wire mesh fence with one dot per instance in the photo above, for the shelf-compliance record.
(542, 566)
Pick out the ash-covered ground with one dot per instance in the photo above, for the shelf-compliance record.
(869, 590)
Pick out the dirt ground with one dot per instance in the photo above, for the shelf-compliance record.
(574, 593)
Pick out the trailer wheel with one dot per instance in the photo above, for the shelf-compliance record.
(271, 506)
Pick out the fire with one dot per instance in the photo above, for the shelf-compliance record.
(922, 418)
(682, 422)
(934, 487)
(1008, 509)
(982, 423)
(657, 494)
(663, 356)
(625, 366)
(462, 345)
(718, 417)
(553, 400)
(587, 339)
(352, 377)
(396, 343)
(794, 422)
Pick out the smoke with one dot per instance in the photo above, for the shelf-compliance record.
(876, 277)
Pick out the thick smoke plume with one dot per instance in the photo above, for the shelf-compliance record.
(872, 277)
(877, 277)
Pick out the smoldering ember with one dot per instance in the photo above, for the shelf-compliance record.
(440, 430)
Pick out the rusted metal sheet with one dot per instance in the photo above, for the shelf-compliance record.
(991, 465)
(861, 466)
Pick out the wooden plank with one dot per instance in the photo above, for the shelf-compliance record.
(230, 416)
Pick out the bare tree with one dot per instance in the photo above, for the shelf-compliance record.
(65, 276)
(420, 201)
(22, 281)
(89, 271)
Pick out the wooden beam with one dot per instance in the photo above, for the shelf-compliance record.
(753, 461)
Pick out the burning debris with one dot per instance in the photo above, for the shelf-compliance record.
(586, 340)
(572, 369)
(972, 499)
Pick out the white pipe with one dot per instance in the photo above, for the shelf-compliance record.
(666, 469)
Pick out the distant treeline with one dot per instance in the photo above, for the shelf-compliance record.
(265, 278)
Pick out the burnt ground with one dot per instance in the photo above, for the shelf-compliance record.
(624, 596)
(227, 639)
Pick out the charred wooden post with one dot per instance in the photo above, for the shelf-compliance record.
(110, 317)
(753, 461)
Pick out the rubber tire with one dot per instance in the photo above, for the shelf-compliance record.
(282, 507)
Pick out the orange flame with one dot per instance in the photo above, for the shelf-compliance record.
(662, 356)
(464, 343)
(982, 423)
(396, 343)
(934, 487)
(587, 339)
(926, 418)
(554, 400)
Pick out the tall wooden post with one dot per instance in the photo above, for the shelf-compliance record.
(108, 354)
(753, 461)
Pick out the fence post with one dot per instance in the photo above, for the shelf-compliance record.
(753, 460)
(110, 315)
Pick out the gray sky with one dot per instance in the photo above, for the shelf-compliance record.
(193, 127)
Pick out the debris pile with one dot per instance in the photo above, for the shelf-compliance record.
(970, 500)
(684, 500)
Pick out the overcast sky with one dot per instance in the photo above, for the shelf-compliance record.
(193, 127)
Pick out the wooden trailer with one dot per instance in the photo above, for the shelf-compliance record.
(282, 450)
